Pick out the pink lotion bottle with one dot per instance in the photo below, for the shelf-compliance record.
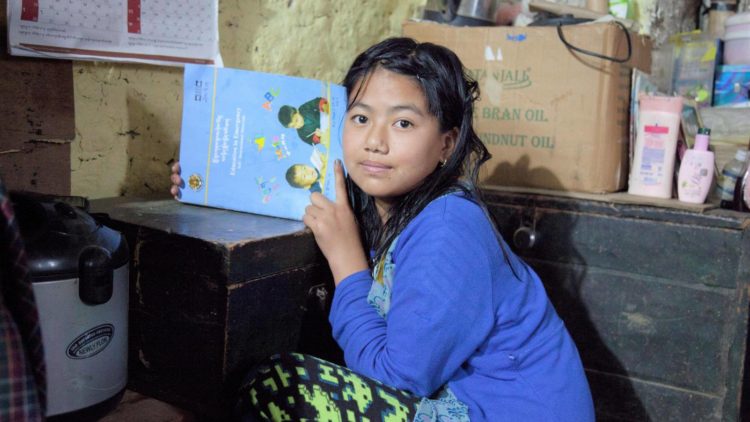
(696, 170)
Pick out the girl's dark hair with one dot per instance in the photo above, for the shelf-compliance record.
(450, 95)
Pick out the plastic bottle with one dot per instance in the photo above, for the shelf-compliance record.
(619, 8)
(696, 170)
(718, 13)
(742, 191)
(728, 179)
(652, 171)
(599, 6)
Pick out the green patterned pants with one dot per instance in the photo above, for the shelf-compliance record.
(296, 387)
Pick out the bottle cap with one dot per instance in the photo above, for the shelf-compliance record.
(701, 139)
(723, 6)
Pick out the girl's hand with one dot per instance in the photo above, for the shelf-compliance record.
(335, 230)
(177, 182)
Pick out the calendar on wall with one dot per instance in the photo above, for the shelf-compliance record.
(171, 32)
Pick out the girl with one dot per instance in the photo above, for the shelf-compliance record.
(437, 318)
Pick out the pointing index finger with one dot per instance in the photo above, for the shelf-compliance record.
(341, 192)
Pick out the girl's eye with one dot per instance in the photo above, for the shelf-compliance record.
(403, 124)
(359, 119)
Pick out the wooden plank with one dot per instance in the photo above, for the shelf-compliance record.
(222, 227)
(656, 331)
(35, 166)
(275, 254)
(691, 254)
(264, 317)
(718, 218)
(177, 314)
(251, 245)
(621, 399)
(37, 93)
(614, 198)
(179, 278)
(740, 345)
(176, 361)
(37, 121)
(42, 98)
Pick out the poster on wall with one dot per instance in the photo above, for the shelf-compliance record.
(166, 32)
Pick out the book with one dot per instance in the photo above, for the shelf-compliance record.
(258, 142)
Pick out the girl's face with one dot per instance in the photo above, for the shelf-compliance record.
(391, 141)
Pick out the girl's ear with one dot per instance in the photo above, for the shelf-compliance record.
(449, 141)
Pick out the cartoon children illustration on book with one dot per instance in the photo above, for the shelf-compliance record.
(304, 176)
(309, 176)
(306, 119)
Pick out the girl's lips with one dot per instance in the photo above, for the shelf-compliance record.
(374, 167)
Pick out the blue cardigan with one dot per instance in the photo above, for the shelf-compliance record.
(465, 313)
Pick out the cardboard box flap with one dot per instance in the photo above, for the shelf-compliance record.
(581, 36)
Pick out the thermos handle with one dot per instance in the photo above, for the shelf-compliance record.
(95, 275)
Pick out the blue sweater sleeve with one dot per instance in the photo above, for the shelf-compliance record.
(441, 305)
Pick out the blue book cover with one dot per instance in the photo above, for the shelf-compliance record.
(258, 142)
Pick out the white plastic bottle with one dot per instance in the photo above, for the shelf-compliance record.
(652, 171)
(728, 178)
(696, 170)
(742, 191)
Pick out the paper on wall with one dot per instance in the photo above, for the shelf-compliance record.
(163, 32)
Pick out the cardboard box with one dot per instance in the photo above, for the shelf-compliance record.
(551, 117)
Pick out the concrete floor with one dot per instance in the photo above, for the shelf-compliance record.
(135, 407)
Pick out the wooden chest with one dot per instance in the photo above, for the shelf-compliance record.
(212, 293)
(656, 299)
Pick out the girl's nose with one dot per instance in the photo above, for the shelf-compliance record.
(377, 140)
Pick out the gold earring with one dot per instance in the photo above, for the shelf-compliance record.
(443, 161)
